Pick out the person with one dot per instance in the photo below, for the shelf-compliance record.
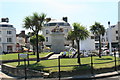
(64, 54)
(74, 53)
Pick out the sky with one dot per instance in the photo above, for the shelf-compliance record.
(85, 12)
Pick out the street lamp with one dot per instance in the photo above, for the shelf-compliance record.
(109, 37)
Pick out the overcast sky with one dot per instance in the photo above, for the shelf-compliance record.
(85, 12)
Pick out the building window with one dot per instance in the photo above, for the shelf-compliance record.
(9, 32)
(9, 39)
(66, 30)
(92, 37)
(46, 39)
(96, 38)
(116, 37)
(47, 32)
(116, 32)
(107, 39)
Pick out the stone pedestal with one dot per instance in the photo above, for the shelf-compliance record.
(57, 39)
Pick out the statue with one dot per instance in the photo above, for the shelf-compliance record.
(57, 29)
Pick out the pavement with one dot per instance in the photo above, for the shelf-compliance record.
(4, 76)
(94, 77)
(54, 56)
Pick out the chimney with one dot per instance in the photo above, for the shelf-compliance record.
(23, 32)
(5, 20)
(65, 19)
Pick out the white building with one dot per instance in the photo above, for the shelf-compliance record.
(7, 37)
(49, 28)
(113, 36)
(88, 44)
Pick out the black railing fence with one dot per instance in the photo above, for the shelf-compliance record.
(68, 67)
(91, 68)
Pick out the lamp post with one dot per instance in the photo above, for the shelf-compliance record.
(109, 38)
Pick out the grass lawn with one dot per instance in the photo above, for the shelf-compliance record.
(68, 61)
(15, 55)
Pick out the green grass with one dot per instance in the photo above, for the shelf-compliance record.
(69, 61)
(15, 56)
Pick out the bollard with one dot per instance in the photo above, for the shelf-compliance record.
(115, 60)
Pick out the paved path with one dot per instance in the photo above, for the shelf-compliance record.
(3, 75)
(96, 76)
(54, 56)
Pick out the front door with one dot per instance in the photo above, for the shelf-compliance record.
(9, 48)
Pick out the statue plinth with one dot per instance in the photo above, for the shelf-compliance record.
(57, 38)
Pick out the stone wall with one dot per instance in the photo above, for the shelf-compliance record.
(20, 72)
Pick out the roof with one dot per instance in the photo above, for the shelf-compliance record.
(56, 21)
(5, 24)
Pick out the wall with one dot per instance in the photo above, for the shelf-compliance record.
(88, 44)
(19, 72)
(4, 36)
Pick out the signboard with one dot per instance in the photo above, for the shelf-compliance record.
(23, 55)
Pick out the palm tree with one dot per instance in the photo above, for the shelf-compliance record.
(71, 36)
(35, 23)
(33, 41)
(29, 34)
(97, 29)
(79, 33)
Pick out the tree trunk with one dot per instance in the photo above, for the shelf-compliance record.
(33, 50)
(37, 47)
(73, 44)
(100, 47)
